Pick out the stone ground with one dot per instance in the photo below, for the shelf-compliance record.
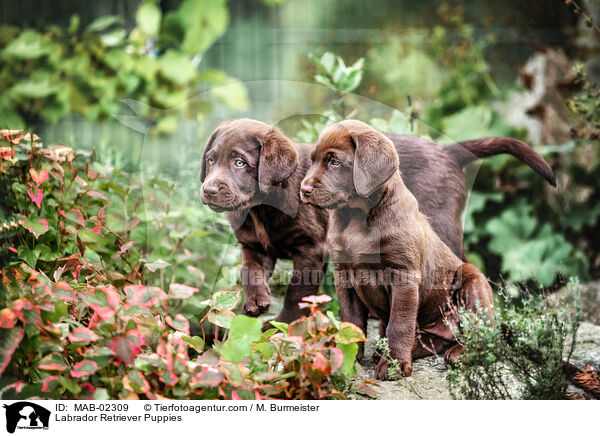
(428, 380)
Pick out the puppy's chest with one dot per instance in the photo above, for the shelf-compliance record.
(354, 241)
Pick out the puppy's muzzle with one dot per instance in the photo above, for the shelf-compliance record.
(307, 190)
(210, 190)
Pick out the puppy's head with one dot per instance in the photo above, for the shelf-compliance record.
(243, 159)
(351, 160)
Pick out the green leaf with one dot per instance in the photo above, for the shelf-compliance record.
(9, 341)
(203, 22)
(475, 122)
(101, 394)
(226, 299)
(400, 123)
(53, 362)
(28, 45)
(70, 385)
(349, 333)
(244, 331)
(103, 23)
(196, 342)
(148, 18)
(157, 265)
(36, 226)
(28, 255)
(39, 87)
(281, 326)
(222, 318)
(84, 368)
(176, 67)
(350, 351)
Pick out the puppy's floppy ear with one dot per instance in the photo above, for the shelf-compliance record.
(375, 161)
(278, 159)
(207, 147)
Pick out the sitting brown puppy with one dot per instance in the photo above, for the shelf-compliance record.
(388, 259)
(252, 171)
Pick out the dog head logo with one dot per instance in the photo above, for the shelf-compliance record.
(26, 415)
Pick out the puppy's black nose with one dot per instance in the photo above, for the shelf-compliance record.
(211, 190)
(307, 189)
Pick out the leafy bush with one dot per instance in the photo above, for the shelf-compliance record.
(48, 75)
(518, 354)
(86, 315)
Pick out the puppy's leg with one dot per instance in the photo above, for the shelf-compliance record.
(309, 270)
(471, 287)
(378, 353)
(352, 308)
(256, 270)
(401, 327)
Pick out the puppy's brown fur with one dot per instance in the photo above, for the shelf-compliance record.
(388, 259)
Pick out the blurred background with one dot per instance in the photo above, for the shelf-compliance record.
(140, 84)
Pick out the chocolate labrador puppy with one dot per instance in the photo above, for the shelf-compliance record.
(252, 172)
(388, 259)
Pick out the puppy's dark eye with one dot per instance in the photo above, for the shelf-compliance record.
(239, 163)
(333, 162)
(210, 160)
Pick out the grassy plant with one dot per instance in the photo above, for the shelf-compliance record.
(518, 354)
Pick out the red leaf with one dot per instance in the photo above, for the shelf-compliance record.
(126, 347)
(321, 363)
(207, 376)
(145, 296)
(83, 368)
(336, 357)
(83, 334)
(73, 215)
(37, 198)
(126, 246)
(95, 194)
(53, 362)
(317, 299)
(10, 340)
(8, 318)
(8, 132)
(80, 182)
(100, 219)
(6, 153)
(104, 300)
(63, 291)
(181, 291)
(38, 230)
(50, 383)
(180, 323)
(38, 178)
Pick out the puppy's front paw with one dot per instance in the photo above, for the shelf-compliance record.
(257, 300)
(382, 369)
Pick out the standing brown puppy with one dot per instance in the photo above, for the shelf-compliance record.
(388, 259)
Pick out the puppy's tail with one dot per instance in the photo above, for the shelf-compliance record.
(466, 152)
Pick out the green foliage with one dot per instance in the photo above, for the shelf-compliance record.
(334, 74)
(518, 354)
(48, 75)
(243, 332)
(560, 233)
(529, 249)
